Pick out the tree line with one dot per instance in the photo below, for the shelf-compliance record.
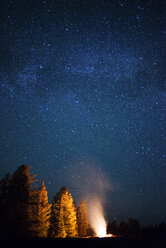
(132, 229)
(25, 210)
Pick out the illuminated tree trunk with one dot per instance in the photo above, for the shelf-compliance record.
(82, 216)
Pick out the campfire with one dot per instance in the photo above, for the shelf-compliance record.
(97, 220)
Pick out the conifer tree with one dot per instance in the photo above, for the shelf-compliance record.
(19, 201)
(82, 216)
(69, 213)
(63, 219)
(32, 213)
(4, 188)
(44, 211)
(56, 220)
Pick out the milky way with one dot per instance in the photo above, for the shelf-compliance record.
(85, 81)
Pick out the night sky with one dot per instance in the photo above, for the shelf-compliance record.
(83, 100)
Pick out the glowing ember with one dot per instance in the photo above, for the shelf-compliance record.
(96, 218)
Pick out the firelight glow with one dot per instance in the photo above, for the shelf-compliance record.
(100, 226)
(96, 218)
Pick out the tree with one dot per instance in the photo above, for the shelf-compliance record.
(123, 229)
(32, 213)
(82, 216)
(4, 188)
(112, 228)
(69, 213)
(63, 215)
(19, 201)
(134, 228)
(56, 221)
(44, 210)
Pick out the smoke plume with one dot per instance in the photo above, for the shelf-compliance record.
(88, 182)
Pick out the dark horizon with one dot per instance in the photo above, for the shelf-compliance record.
(83, 100)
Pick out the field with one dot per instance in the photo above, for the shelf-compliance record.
(24, 242)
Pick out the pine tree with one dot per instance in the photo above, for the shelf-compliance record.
(19, 201)
(82, 216)
(32, 213)
(44, 210)
(4, 188)
(69, 210)
(56, 221)
(63, 219)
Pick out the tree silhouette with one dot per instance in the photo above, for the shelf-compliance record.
(19, 201)
(113, 228)
(134, 229)
(4, 189)
(32, 210)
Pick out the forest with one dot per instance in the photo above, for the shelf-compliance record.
(26, 211)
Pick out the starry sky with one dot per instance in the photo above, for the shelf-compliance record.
(83, 99)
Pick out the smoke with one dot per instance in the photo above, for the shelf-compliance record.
(87, 181)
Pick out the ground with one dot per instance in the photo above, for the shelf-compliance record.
(24, 242)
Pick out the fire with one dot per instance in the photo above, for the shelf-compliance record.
(96, 218)
(99, 224)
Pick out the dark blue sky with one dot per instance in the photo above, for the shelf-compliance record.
(83, 93)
